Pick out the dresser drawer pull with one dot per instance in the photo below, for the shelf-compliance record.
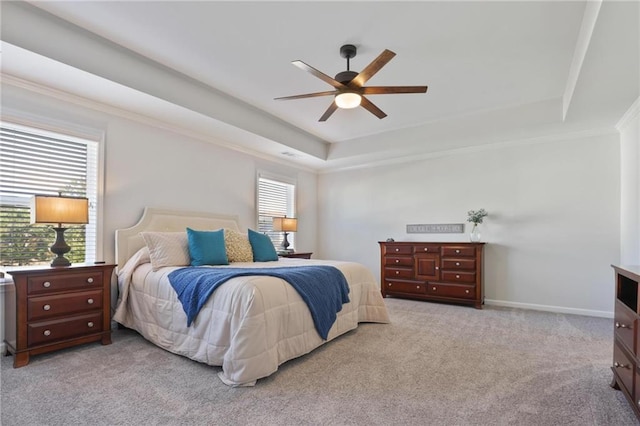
(457, 251)
(90, 301)
(620, 325)
(47, 333)
(466, 291)
(457, 263)
(397, 249)
(90, 324)
(90, 280)
(426, 249)
(618, 365)
(397, 261)
(46, 284)
(418, 287)
(46, 307)
(397, 272)
(457, 276)
(390, 284)
(437, 267)
(434, 288)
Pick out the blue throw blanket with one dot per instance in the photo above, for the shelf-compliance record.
(323, 288)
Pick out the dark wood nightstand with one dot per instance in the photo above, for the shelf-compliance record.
(50, 308)
(296, 255)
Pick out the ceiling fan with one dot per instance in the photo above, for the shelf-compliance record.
(349, 90)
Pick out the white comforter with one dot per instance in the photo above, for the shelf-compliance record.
(249, 326)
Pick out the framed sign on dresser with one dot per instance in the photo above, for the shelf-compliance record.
(433, 271)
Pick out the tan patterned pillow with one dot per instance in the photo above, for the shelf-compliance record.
(167, 248)
(238, 246)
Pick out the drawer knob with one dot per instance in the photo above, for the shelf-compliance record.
(426, 249)
(437, 267)
(90, 301)
(390, 284)
(46, 284)
(397, 272)
(457, 263)
(418, 287)
(90, 280)
(90, 324)
(620, 325)
(457, 276)
(618, 365)
(397, 249)
(434, 288)
(47, 332)
(466, 291)
(397, 261)
(457, 251)
(46, 307)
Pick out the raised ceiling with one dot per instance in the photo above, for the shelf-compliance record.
(495, 70)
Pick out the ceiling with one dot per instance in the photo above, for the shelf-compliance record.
(495, 70)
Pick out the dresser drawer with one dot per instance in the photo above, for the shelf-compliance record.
(624, 368)
(61, 282)
(624, 325)
(40, 307)
(391, 249)
(458, 251)
(452, 290)
(399, 260)
(459, 264)
(51, 331)
(458, 277)
(405, 287)
(426, 248)
(399, 273)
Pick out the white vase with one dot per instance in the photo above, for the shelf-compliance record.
(474, 236)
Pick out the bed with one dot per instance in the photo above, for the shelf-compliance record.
(251, 324)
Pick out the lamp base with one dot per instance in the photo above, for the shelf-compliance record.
(59, 248)
(285, 245)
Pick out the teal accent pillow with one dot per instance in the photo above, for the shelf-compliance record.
(262, 247)
(207, 247)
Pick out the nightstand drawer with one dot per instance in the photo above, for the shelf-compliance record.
(50, 331)
(61, 282)
(40, 307)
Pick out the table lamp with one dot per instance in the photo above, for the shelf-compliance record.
(286, 225)
(58, 209)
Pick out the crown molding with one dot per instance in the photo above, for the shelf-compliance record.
(143, 119)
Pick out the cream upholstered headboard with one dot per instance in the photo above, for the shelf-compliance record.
(129, 241)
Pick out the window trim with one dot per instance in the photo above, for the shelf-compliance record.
(25, 119)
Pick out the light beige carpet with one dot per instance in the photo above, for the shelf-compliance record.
(434, 364)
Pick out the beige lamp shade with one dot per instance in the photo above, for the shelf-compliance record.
(285, 224)
(56, 209)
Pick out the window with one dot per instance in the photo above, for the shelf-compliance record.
(35, 161)
(276, 198)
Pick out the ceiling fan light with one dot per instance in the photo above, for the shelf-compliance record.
(347, 100)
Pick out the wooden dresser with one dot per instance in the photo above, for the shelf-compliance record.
(626, 341)
(50, 308)
(443, 272)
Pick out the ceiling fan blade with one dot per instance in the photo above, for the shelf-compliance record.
(388, 90)
(372, 68)
(306, 95)
(322, 76)
(369, 106)
(332, 108)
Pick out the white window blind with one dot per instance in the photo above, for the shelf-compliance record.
(276, 198)
(35, 161)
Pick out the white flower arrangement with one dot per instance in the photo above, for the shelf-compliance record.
(476, 216)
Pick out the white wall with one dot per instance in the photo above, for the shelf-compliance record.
(552, 230)
(629, 128)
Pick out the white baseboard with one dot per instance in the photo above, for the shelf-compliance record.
(549, 308)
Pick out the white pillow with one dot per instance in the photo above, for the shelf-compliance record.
(167, 248)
